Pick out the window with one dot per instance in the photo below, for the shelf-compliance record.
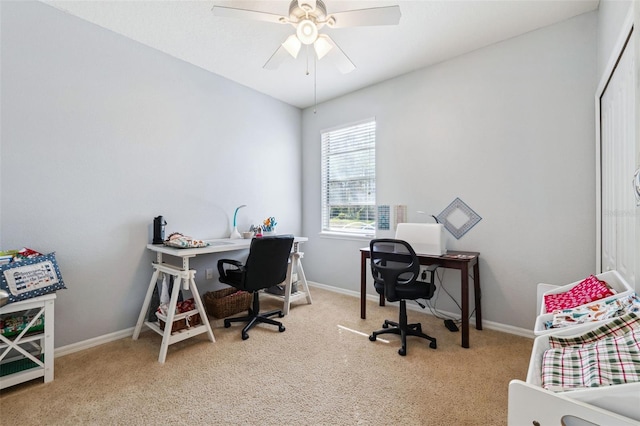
(349, 179)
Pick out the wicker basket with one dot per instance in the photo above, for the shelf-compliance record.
(181, 321)
(226, 302)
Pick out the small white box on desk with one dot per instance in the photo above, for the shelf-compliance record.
(425, 238)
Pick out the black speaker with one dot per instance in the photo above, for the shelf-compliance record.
(158, 230)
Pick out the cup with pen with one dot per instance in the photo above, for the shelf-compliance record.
(269, 226)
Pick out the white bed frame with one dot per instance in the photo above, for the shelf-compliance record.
(533, 405)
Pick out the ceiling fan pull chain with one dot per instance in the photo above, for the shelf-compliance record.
(315, 84)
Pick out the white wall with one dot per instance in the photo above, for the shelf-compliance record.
(121, 133)
(509, 129)
(100, 134)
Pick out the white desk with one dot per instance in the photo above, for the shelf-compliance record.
(186, 276)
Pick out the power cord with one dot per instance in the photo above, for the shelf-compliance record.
(451, 322)
(431, 303)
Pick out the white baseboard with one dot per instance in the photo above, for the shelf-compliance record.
(128, 332)
(96, 341)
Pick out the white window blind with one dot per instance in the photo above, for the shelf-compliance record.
(349, 179)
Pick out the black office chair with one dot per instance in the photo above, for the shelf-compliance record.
(396, 268)
(266, 266)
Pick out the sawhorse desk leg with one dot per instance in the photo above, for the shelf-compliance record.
(295, 261)
(145, 305)
(181, 276)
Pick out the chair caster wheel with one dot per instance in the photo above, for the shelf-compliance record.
(281, 328)
(402, 351)
(372, 338)
(385, 325)
(227, 324)
(245, 336)
(280, 315)
(433, 345)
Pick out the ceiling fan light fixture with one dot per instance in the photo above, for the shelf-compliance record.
(307, 31)
(322, 46)
(292, 45)
(308, 17)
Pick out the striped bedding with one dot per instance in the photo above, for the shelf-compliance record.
(608, 355)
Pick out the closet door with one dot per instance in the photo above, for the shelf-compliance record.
(618, 153)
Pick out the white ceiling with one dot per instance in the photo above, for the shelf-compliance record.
(430, 31)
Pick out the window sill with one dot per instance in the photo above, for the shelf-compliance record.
(345, 236)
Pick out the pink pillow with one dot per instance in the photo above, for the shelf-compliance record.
(588, 290)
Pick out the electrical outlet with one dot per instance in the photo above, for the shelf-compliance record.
(209, 274)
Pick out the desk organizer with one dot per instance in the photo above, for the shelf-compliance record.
(226, 302)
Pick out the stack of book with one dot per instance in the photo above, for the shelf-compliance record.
(7, 256)
(15, 255)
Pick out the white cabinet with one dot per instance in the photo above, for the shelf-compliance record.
(618, 155)
(27, 356)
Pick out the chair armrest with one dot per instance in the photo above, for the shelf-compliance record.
(232, 262)
(431, 282)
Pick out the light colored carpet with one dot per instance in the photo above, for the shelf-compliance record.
(315, 373)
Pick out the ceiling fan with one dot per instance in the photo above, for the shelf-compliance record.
(308, 17)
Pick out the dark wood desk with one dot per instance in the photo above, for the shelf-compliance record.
(460, 260)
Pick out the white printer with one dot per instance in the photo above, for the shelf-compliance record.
(425, 238)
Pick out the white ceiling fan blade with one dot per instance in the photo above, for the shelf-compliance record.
(277, 58)
(389, 15)
(232, 12)
(338, 57)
